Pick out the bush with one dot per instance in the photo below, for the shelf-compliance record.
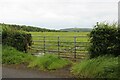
(100, 67)
(104, 40)
(118, 37)
(49, 62)
(12, 56)
(18, 39)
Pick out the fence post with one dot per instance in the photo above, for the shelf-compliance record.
(58, 46)
(74, 47)
(44, 44)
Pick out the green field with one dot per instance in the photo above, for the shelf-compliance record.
(64, 36)
(66, 42)
(60, 33)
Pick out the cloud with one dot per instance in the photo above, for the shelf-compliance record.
(56, 14)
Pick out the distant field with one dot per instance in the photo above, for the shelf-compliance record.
(60, 33)
(66, 40)
(64, 36)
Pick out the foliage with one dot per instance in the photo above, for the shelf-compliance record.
(18, 39)
(104, 40)
(48, 62)
(118, 37)
(28, 28)
(12, 56)
(100, 67)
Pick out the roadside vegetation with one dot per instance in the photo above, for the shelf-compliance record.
(49, 62)
(104, 51)
(45, 62)
(16, 38)
(104, 39)
(100, 67)
(12, 56)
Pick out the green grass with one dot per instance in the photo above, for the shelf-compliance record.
(49, 62)
(64, 36)
(60, 33)
(12, 56)
(101, 67)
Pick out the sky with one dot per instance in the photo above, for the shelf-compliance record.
(58, 14)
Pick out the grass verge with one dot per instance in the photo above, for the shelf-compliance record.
(101, 67)
(47, 62)
(12, 56)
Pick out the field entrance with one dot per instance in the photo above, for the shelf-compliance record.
(73, 47)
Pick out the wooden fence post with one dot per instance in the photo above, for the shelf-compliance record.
(44, 44)
(58, 46)
(75, 47)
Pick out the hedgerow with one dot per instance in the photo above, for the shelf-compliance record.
(104, 39)
(18, 39)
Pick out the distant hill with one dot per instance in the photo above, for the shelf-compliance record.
(77, 29)
(27, 28)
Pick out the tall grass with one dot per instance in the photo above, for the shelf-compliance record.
(49, 62)
(101, 67)
(12, 56)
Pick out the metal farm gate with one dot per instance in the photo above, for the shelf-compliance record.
(74, 47)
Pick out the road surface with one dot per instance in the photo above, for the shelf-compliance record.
(11, 72)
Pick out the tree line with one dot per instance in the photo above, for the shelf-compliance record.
(28, 28)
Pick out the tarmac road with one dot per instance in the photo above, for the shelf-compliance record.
(19, 73)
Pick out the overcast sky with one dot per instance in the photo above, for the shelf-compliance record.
(58, 14)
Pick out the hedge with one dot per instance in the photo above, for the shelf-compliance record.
(18, 39)
(104, 39)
